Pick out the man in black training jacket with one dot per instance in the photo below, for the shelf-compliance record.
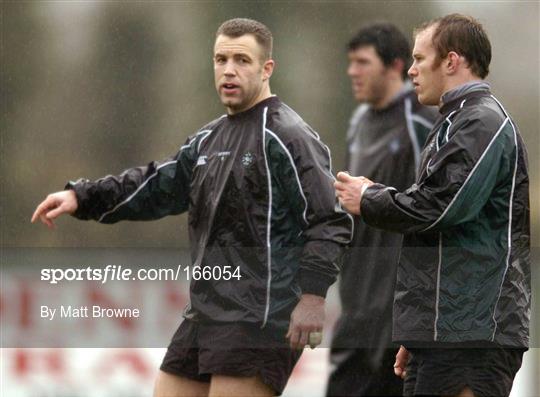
(258, 185)
(385, 136)
(463, 294)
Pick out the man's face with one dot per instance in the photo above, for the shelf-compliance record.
(368, 75)
(426, 71)
(239, 72)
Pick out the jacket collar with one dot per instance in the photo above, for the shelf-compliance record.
(270, 101)
(457, 94)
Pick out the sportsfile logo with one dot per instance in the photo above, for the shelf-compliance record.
(109, 273)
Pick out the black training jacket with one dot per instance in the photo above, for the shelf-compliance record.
(259, 190)
(464, 271)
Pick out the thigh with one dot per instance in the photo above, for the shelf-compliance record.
(169, 385)
(246, 351)
(237, 386)
(182, 356)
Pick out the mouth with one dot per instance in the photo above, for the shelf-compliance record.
(229, 88)
(357, 88)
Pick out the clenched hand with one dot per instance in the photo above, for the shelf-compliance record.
(349, 190)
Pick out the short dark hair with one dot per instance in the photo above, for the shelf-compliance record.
(240, 26)
(464, 35)
(389, 43)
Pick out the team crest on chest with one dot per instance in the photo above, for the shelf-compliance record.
(247, 159)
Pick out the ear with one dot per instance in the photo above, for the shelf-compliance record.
(397, 66)
(453, 62)
(268, 69)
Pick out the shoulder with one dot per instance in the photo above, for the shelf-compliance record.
(287, 125)
(212, 124)
(355, 120)
(288, 132)
(358, 113)
(208, 128)
(484, 112)
(193, 142)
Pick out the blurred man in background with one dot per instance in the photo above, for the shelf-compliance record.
(386, 134)
(463, 295)
(259, 190)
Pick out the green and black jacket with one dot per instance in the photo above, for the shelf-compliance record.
(464, 270)
(259, 190)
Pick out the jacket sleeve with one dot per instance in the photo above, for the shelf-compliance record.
(141, 193)
(461, 176)
(326, 227)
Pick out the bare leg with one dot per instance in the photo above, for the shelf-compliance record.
(168, 385)
(237, 386)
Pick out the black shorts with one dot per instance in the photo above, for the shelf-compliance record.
(488, 372)
(199, 350)
(363, 372)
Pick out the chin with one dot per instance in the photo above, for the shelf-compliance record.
(426, 101)
(360, 98)
(229, 102)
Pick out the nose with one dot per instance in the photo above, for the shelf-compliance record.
(229, 69)
(412, 71)
(352, 70)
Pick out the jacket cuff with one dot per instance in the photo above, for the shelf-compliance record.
(81, 195)
(314, 283)
(368, 204)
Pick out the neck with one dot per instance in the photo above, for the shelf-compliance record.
(263, 94)
(453, 82)
(392, 89)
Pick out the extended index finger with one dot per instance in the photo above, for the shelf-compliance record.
(40, 209)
